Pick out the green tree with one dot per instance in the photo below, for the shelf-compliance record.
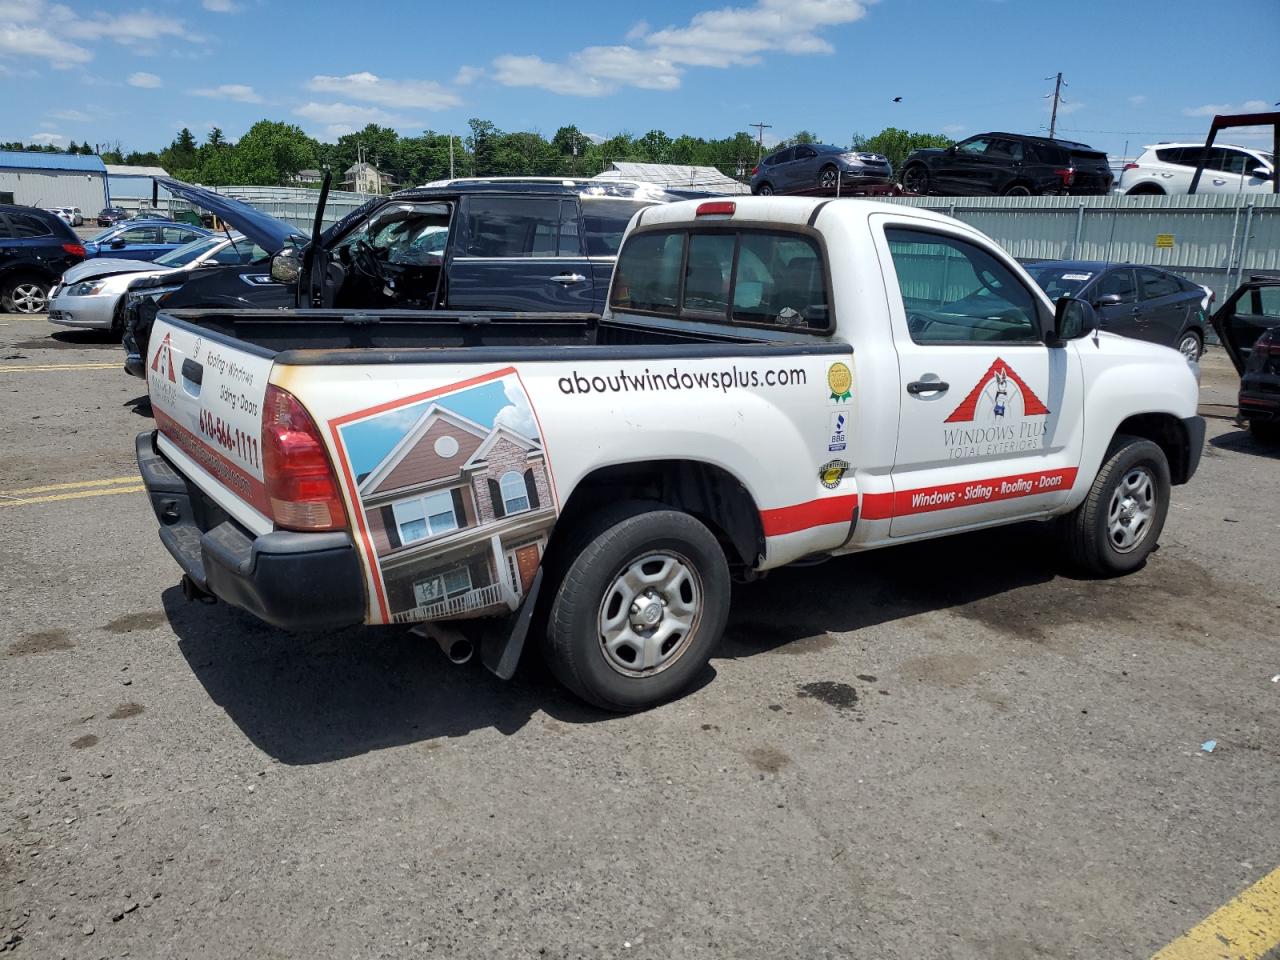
(896, 144)
(804, 136)
(215, 139)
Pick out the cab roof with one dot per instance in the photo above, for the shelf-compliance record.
(795, 211)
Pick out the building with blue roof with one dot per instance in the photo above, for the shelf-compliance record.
(54, 180)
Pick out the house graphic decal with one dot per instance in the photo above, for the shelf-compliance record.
(995, 386)
(458, 511)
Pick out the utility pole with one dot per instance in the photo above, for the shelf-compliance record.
(760, 128)
(1057, 96)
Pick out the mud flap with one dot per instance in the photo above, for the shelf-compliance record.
(500, 650)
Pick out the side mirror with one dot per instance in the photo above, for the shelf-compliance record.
(286, 266)
(1107, 300)
(117, 243)
(1262, 173)
(1073, 318)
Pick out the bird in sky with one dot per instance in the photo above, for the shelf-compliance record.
(897, 99)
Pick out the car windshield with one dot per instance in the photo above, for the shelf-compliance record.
(188, 252)
(1059, 281)
(109, 232)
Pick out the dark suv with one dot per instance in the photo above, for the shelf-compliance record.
(1009, 165)
(819, 168)
(35, 248)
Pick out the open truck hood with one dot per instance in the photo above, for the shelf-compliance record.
(263, 229)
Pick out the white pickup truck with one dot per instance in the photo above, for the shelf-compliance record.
(775, 380)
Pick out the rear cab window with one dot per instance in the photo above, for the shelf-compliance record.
(754, 277)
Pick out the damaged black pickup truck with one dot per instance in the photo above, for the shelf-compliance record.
(1249, 327)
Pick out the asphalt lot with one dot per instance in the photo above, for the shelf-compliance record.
(949, 750)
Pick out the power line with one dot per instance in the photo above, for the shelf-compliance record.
(761, 128)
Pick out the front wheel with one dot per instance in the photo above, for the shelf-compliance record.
(1119, 523)
(915, 179)
(640, 608)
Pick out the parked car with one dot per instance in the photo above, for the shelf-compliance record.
(74, 215)
(62, 213)
(485, 244)
(417, 468)
(1010, 165)
(92, 294)
(1249, 327)
(1167, 168)
(819, 167)
(1145, 303)
(142, 239)
(110, 216)
(35, 248)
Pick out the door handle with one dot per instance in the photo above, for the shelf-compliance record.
(1218, 182)
(1135, 312)
(917, 387)
(567, 278)
(192, 371)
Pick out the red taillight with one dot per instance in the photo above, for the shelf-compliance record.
(716, 208)
(1068, 175)
(301, 487)
(75, 249)
(754, 171)
(1129, 166)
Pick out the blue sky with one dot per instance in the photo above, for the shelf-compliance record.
(1137, 71)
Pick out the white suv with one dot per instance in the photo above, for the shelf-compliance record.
(1167, 168)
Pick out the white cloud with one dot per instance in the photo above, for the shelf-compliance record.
(221, 6)
(228, 91)
(36, 41)
(467, 75)
(1137, 100)
(370, 88)
(657, 59)
(49, 139)
(339, 119)
(35, 28)
(71, 116)
(126, 28)
(1212, 109)
(517, 415)
(148, 81)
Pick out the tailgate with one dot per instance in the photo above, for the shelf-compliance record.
(207, 394)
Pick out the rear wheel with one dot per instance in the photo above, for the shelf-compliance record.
(1146, 190)
(24, 295)
(640, 607)
(1018, 190)
(915, 179)
(1191, 346)
(765, 190)
(1119, 523)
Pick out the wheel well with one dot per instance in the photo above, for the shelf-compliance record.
(25, 271)
(1167, 432)
(702, 490)
(1146, 189)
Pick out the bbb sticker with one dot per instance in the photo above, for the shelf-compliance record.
(837, 439)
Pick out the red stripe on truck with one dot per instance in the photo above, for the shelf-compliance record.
(802, 516)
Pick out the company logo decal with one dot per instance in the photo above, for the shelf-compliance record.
(840, 380)
(166, 353)
(836, 437)
(831, 473)
(993, 390)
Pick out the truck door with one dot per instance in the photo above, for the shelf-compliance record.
(990, 420)
(519, 253)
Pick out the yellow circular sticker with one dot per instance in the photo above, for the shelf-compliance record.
(831, 473)
(840, 380)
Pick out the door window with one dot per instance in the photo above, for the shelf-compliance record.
(757, 277)
(974, 148)
(509, 227)
(1269, 301)
(1007, 150)
(956, 292)
(25, 226)
(1156, 284)
(1119, 283)
(138, 235)
(604, 220)
(785, 156)
(804, 153)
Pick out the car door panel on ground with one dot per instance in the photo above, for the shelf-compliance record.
(531, 245)
(990, 423)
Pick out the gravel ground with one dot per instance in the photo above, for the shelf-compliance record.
(947, 750)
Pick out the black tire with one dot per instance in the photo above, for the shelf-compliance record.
(1265, 431)
(25, 294)
(829, 173)
(1184, 344)
(623, 538)
(1087, 531)
(765, 189)
(1018, 190)
(915, 179)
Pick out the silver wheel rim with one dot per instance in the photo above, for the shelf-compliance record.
(1132, 508)
(650, 613)
(1190, 347)
(28, 298)
(828, 178)
(766, 191)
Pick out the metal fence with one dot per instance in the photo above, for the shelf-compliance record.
(1216, 240)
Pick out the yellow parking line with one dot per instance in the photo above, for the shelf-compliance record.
(48, 487)
(1247, 928)
(41, 367)
(78, 495)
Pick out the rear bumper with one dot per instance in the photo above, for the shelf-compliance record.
(295, 581)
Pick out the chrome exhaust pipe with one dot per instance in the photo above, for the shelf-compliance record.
(456, 648)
